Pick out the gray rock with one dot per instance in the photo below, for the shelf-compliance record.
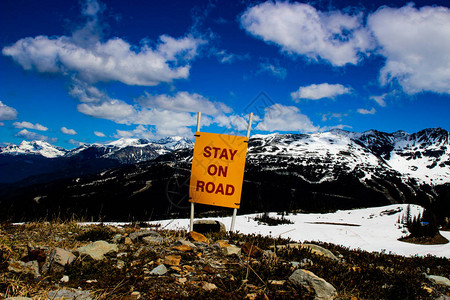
(118, 238)
(439, 280)
(314, 249)
(138, 235)
(63, 257)
(98, 249)
(184, 242)
(153, 240)
(230, 250)
(31, 267)
(159, 270)
(65, 294)
(205, 226)
(310, 281)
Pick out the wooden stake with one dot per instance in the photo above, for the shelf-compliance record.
(191, 223)
(233, 219)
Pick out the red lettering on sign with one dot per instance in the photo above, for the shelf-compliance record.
(232, 154)
(219, 189)
(206, 151)
(200, 185)
(210, 188)
(227, 154)
(229, 190)
(219, 171)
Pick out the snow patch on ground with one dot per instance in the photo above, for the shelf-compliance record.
(378, 229)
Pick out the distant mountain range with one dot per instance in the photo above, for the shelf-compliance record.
(312, 172)
(27, 159)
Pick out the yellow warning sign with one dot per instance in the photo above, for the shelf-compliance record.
(217, 170)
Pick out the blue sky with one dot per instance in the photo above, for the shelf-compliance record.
(76, 72)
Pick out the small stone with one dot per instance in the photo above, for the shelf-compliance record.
(31, 267)
(117, 238)
(209, 286)
(182, 280)
(65, 278)
(198, 237)
(153, 240)
(120, 264)
(184, 248)
(172, 260)
(277, 282)
(159, 270)
(98, 249)
(136, 295)
(139, 235)
(188, 268)
(128, 241)
(231, 250)
(65, 294)
(184, 242)
(223, 244)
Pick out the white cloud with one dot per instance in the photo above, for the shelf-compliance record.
(113, 60)
(28, 135)
(301, 29)
(29, 125)
(364, 111)
(285, 118)
(274, 70)
(65, 130)
(75, 142)
(7, 112)
(319, 91)
(226, 57)
(416, 44)
(184, 102)
(380, 100)
(233, 121)
(329, 116)
(99, 134)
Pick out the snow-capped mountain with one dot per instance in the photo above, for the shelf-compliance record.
(34, 148)
(423, 156)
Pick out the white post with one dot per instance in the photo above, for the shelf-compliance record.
(233, 219)
(191, 223)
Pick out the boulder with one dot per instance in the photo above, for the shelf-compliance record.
(315, 249)
(439, 280)
(98, 249)
(305, 279)
(205, 226)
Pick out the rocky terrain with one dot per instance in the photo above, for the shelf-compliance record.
(72, 261)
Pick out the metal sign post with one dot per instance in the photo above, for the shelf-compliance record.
(233, 219)
(191, 223)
